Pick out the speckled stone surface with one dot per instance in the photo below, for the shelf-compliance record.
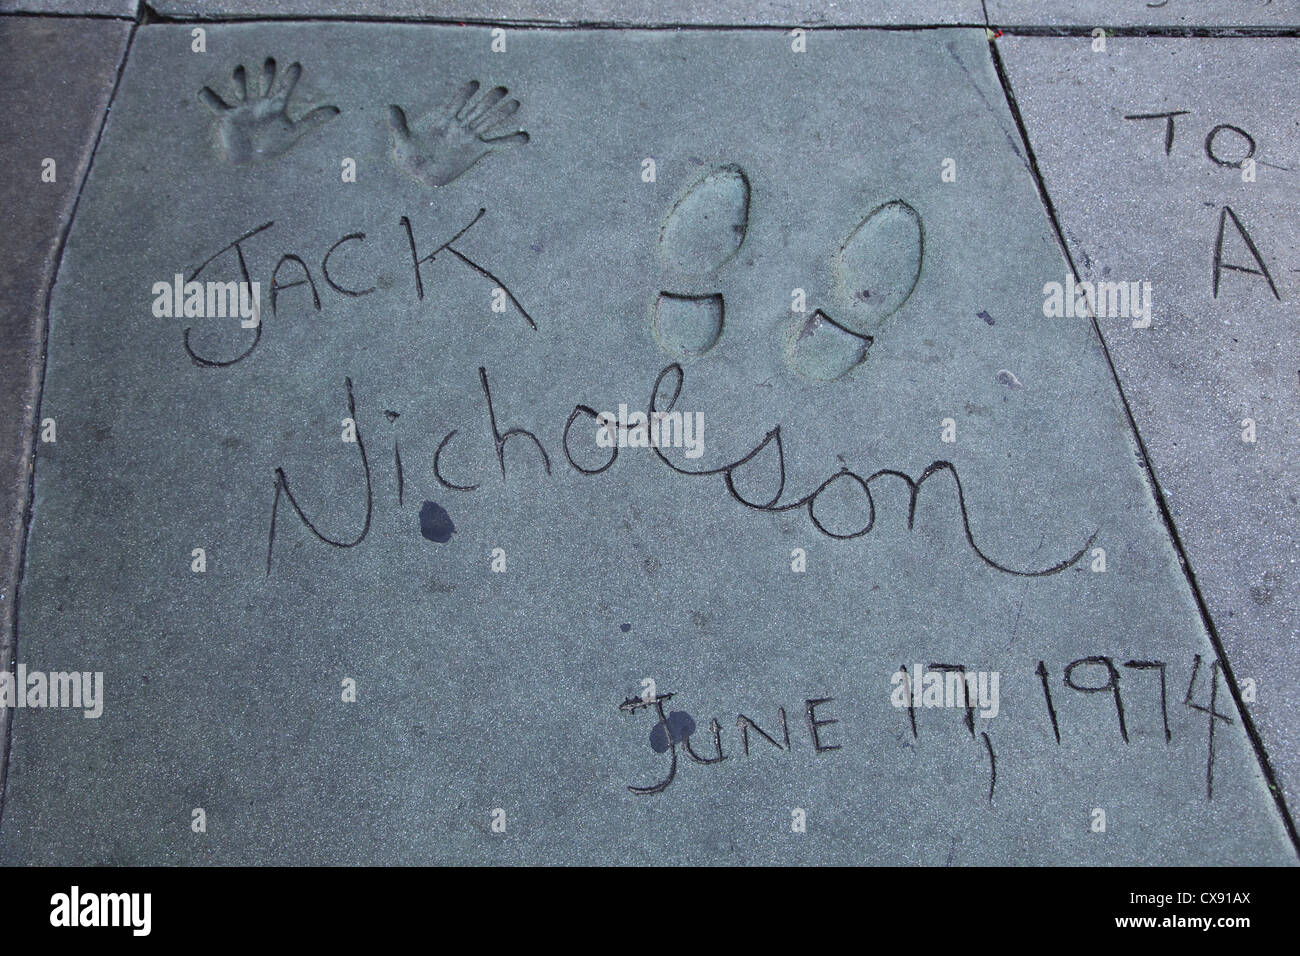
(1133, 211)
(770, 12)
(56, 75)
(1142, 13)
(112, 8)
(705, 198)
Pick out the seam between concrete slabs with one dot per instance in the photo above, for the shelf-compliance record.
(1149, 475)
(33, 428)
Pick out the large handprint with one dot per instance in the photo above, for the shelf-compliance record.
(258, 125)
(456, 140)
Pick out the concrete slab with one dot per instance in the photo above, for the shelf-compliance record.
(62, 72)
(112, 8)
(640, 12)
(1145, 202)
(362, 588)
(1144, 13)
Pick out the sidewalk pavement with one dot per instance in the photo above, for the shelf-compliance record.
(309, 627)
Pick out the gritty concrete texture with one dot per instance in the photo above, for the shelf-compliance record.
(1145, 202)
(1145, 13)
(770, 12)
(395, 486)
(61, 72)
(111, 8)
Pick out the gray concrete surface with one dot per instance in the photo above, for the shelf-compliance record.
(772, 12)
(56, 75)
(516, 690)
(1143, 13)
(1133, 210)
(113, 8)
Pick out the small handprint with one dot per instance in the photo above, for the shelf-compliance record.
(258, 126)
(457, 139)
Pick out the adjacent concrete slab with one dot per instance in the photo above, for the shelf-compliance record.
(1144, 200)
(62, 73)
(1141, 13)
(774, 12)
(113, 8)
(697, 221)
